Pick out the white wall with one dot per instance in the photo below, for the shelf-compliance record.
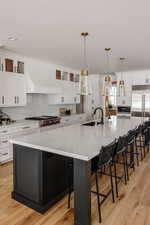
(140, 77)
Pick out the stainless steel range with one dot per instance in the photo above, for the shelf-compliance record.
(45, 120)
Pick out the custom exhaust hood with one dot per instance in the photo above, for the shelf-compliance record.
(41, 85)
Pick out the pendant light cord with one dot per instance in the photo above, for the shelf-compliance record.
(107, 55)
(107, 50)
(84, 52)
(122, 70)
(122, 61)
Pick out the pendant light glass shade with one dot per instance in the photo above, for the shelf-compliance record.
(107, 83)
(121, 88)
(122, 92)
(84, 81)
(85, 87)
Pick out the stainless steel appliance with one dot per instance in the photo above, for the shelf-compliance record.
(45, 120)
(124, 111)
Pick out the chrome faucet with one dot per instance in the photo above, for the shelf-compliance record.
(102, 112)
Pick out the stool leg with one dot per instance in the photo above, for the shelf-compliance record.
(136, 150)
(69, 199)
(111, 181)
(148, 139)
(126, 160)
(144, 146)
(98, 198)
(116, 183)
(124, 167)
(132, 152)
(141, 148)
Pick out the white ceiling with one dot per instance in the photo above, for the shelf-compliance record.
(50, 30)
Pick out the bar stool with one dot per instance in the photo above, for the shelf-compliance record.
(142, 139)
(105, 159)
(121, 150)
(130, 140)
(146, 134)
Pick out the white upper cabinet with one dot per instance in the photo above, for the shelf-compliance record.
(12, 89)
(63, 99)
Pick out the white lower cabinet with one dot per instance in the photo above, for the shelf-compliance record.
(6, 148)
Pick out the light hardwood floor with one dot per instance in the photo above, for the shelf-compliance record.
(131, 208)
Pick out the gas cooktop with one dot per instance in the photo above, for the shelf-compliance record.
(42, 118)
(45, 120)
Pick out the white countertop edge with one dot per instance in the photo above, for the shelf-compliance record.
(55, 151)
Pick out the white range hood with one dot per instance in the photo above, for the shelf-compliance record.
(41, 86)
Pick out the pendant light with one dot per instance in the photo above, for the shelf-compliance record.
(84, 83)
(107, 77)
(121, 82)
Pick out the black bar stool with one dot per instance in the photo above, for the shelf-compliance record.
(120, 157)
(105, 159)
(142, 139)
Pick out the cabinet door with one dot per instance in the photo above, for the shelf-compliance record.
(18, 91)
(63, 99)
(6, 97)
(12, 90)
(77, 99)
(56, 99)
(2, 90)
(28, 172)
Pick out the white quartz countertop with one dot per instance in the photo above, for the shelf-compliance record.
(77, 141)
(19, 123)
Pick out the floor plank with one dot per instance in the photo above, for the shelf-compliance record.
(131, 208)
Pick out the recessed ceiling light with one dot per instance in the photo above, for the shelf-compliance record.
(12, 38)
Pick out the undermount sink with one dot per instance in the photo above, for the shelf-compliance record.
(92, 123)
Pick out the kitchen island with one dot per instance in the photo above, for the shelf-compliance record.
(41, 164)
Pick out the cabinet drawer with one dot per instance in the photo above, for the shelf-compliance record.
(4, 141)
(4, 155)
(4, 131)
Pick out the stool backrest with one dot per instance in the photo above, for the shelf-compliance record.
(130, 136)
(121, 144)
(106, 154)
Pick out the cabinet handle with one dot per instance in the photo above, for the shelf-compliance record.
(25, 128)
(3, 99)
(4, 131)
(18, 99)
(5, 141)
(5, 154)
(15, 99)
(75, 99)
(62, 99)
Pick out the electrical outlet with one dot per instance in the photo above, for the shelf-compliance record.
(147, 80)
(123, 102)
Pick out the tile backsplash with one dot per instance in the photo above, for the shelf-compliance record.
(37, 105)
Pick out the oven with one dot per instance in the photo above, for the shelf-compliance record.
(124, 111)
